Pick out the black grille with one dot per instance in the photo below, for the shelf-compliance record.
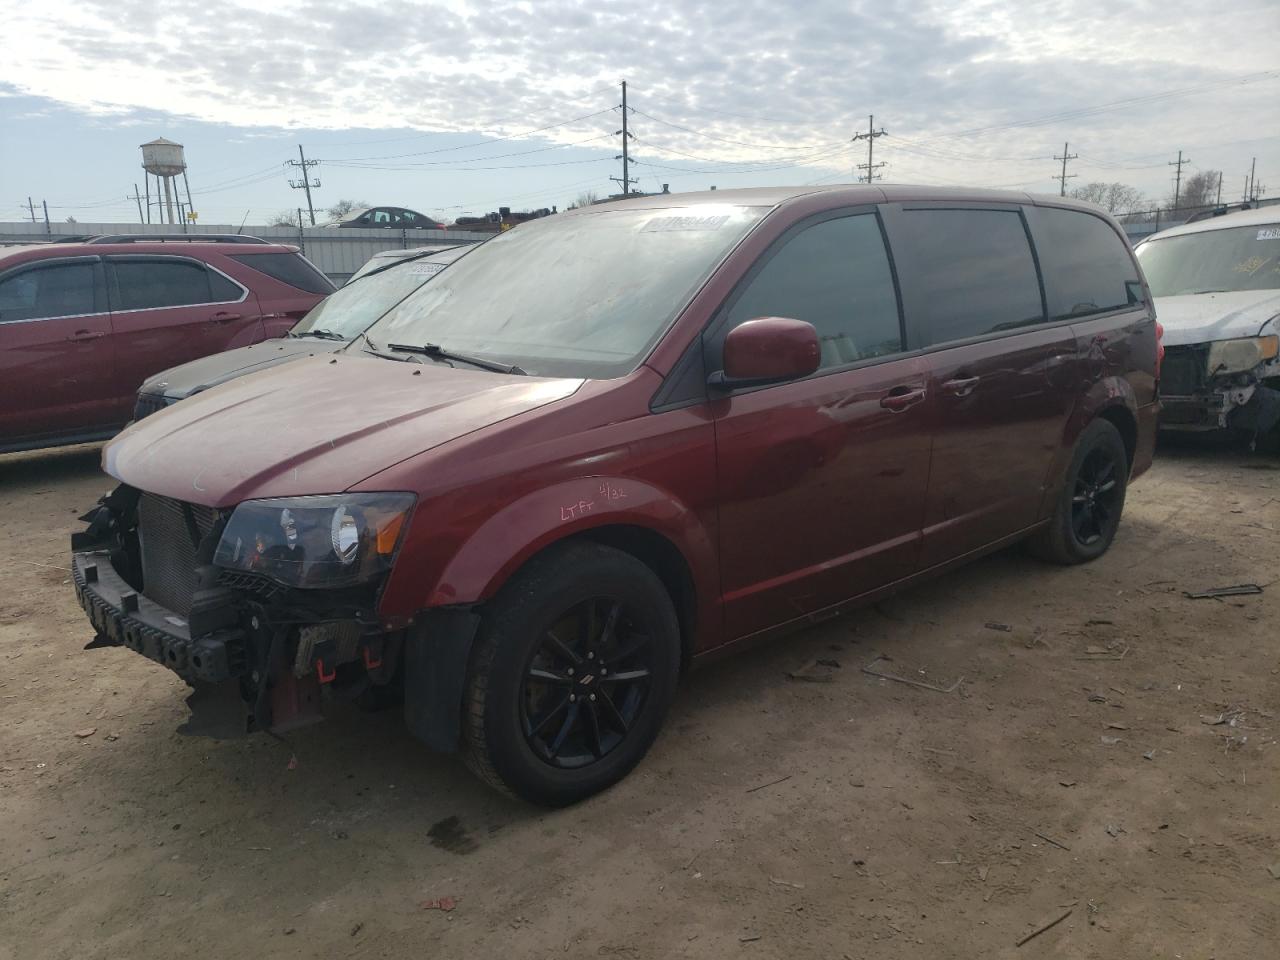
(169, 549)
(149, 403)
(1182, 373)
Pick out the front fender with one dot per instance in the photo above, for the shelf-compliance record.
(504, 542)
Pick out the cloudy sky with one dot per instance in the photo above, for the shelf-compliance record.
(455, 106)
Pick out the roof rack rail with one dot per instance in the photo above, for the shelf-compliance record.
(176, 238)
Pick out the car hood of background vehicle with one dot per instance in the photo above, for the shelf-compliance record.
(178, 383)
(316, 426)
(1202, 317)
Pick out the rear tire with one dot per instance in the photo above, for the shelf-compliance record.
(575, 666)
(1087, 514)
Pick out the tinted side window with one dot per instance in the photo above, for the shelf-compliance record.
(150, 284)
(58, 290)
(834, 275)
(288, 268)
(973, 272)
(1087, 267)
(222, 289)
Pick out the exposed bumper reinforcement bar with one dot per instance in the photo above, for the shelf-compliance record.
(124, 617)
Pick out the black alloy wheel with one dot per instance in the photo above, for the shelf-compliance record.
(586, 683)
(1096, 497)
(573, 669)
(1087, 512)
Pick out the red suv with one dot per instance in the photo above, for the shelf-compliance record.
(83, 324)
(617, 440)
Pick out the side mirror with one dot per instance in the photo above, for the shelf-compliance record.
(767, 350)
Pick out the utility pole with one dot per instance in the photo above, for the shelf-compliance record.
(625, 155)
(1177, 178)
(305, 182)
(47, 228)
(1249, 193)
(1218, 202)
(1063, 177)
(870, 137)
(138, 198)
(32, 207)
(186, 186)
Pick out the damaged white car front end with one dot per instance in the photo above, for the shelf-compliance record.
(1217, 295)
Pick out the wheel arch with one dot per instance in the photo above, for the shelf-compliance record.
(1123, 419)
(1111, 399)
(661, 555)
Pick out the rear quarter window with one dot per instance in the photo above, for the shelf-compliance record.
(1087, 267)
(288, 268)
(971, 273)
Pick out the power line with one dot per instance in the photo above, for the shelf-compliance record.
(360, 165)
(481, 143)
(1063, 177)
(711, 136)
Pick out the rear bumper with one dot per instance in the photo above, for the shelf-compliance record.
(125, 617)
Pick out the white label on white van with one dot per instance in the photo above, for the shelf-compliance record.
(1269, 233)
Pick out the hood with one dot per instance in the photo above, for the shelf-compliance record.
(180, 382)
(319, 425)
(1203, 317)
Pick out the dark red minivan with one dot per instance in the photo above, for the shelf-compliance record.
(83, 324)
(613, 441)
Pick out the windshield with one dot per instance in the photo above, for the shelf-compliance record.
(350, 309)
(583, 295)
(1237, 258)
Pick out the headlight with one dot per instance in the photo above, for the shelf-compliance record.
(1238, 356)
(329, 541)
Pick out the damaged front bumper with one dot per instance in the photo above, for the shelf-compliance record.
(1193, 399)
(261, 656)
(122, 616)
(1252, 408)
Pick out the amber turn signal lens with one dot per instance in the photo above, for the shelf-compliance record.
(389, 534)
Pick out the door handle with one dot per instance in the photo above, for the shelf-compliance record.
(899, 398)
(961, 386)
(86, 335)
(223, 316)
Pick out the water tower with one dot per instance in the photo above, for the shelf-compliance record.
(163, 159)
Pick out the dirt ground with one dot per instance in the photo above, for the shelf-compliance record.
(1113, 753)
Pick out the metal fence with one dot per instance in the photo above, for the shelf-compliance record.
(337, 251)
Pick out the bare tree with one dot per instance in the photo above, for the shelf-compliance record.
(585, 199)
(1198, 190)
(1116, 198)
(285, 218)
(343, 207)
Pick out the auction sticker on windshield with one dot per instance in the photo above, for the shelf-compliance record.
(1269, 233)
(685, 223)
(421, 269)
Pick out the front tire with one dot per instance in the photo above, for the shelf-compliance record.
(1087, 513)
(575, 666)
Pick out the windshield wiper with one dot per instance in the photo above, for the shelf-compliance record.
(371, 347)
(436, 352)
(322, 334)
